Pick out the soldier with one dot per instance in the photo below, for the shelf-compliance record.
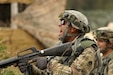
(74, 25)
(104, 38)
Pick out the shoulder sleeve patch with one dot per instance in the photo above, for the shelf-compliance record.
(87, 43)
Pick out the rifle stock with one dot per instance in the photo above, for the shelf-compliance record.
(54, 51)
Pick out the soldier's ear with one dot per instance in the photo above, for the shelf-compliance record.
(73, 29)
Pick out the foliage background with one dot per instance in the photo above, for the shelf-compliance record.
(99, 12)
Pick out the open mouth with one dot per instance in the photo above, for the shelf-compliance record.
(60, 32)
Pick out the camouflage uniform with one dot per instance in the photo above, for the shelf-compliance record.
(81, 64)
(110, 67)
(107, 66)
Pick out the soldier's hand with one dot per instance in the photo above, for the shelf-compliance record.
(23, 66)
(41, 63)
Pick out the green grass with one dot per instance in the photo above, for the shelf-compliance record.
(10, 71)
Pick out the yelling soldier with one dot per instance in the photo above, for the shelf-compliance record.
(74, 25)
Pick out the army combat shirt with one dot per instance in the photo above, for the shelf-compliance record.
(82, 65)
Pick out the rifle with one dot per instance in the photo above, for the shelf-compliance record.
(54, 51)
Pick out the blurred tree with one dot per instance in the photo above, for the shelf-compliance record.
(98, 12)
(75, 4)
(89, 4)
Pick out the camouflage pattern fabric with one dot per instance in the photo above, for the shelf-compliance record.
(110, 64)
(110, 67)
(80, 66)
(106, 68)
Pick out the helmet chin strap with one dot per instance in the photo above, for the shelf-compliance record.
(65, 33)
(104, 50)
(73, 34)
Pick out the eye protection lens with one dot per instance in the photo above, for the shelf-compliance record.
(101, 33)
(62, 22)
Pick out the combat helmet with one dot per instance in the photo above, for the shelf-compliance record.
(104, 33)
(77, 20)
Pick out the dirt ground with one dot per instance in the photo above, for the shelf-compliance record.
(16, 40)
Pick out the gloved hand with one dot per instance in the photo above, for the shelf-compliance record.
(41, 62)
(23, 66)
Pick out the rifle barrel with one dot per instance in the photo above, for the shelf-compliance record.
(8, 62)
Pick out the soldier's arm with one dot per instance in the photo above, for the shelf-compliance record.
(57, 68)
(110, 68)
(37, 71)
(80, 66)
(38, 68)
(84, 63)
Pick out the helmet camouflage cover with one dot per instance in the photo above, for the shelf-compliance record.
(104, 33)
(77, 19)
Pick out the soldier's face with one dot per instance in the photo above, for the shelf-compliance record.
(66, 30)
(101, 44)
(62, 27)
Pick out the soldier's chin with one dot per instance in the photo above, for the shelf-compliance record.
(61, 38)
